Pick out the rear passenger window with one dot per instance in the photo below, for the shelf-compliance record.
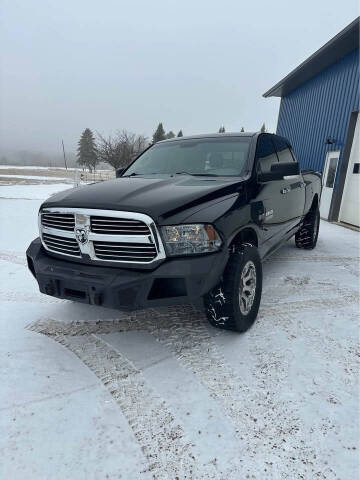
(265, 154)
(283, 150)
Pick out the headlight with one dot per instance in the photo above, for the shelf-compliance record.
(191, 239)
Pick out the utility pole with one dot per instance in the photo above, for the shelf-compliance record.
(62, 141)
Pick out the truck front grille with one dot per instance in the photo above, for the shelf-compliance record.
(119, 251)
(60, 221)
(118, 226)
(63, 245)
(101, 235)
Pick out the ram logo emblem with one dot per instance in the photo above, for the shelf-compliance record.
(82, 235)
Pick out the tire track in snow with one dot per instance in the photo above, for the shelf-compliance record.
(182, 330)
(327, 349)
(290, 447)
(184, 334)
(13, 258)
(308, 304)
(352, 268)
(54, 328)
(261, 420)
(161, 438)
(15, 296)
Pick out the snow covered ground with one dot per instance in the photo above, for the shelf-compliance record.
(90, 393)
(32, 177)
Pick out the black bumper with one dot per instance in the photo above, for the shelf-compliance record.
(175, 281)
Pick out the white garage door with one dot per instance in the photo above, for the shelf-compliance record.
(350, 206)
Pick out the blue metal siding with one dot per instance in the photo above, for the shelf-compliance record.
(319, 109)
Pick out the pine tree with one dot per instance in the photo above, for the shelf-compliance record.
(242, 129)
(263, 128)
(222, 129)
(170, 134)
(87, 152)
(159, 134)
(180, 134)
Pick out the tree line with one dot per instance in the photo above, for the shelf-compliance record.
(116, 150)
(120, 149)
(262, 129)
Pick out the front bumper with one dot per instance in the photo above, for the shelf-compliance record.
(176, 280)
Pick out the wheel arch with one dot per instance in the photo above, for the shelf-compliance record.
(245, 235)
(315, 202)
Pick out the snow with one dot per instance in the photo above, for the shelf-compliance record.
(35, 167)
(27, 167)
(92, 393)
(31, 177)
(31, 192)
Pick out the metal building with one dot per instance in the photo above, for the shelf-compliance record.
(319, 114)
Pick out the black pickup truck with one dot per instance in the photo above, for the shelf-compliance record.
(191, 218)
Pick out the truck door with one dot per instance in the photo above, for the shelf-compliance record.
(268, 205)
(294, 191)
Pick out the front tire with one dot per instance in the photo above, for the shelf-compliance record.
(234, 303)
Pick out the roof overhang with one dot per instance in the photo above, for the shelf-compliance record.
(343, 43)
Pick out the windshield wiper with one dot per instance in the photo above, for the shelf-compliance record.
(197, 174)
(205, 175)
(135, 174)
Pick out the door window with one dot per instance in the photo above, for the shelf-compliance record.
(265, 154)
(282, 150)
(330, 178)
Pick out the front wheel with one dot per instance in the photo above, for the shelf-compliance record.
(234, 303)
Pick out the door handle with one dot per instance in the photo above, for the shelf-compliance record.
(284, 191)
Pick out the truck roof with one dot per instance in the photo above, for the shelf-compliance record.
(211, 135)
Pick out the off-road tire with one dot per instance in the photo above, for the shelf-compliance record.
(308, 234)
(222, 303)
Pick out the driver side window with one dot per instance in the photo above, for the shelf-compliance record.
(265, 154)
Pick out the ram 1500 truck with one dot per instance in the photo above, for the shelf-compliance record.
(191, 218)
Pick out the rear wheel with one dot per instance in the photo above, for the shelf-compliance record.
(234, 303)
(308, 234)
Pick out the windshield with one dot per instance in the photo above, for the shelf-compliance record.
(207, 156)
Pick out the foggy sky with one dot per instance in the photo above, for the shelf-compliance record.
(108, 65)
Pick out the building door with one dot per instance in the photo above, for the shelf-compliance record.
(329, 175)
(350, 204)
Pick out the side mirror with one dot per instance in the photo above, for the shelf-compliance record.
(119, 172)
(280, 170)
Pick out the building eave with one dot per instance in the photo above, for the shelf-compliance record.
(343, 43)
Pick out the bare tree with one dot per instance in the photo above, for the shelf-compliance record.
(121, 149)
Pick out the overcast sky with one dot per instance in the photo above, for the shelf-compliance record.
(108, 65)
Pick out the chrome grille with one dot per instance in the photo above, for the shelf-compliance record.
(101, 235)
(60, 221)
(63, 245)
(118, 226)
(119, 251)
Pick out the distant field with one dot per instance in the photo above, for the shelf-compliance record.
(13, 175)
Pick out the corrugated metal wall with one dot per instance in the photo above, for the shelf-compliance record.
(321, 108)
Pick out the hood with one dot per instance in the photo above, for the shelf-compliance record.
(161, 198)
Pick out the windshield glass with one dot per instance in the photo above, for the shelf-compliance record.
(207, 156)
